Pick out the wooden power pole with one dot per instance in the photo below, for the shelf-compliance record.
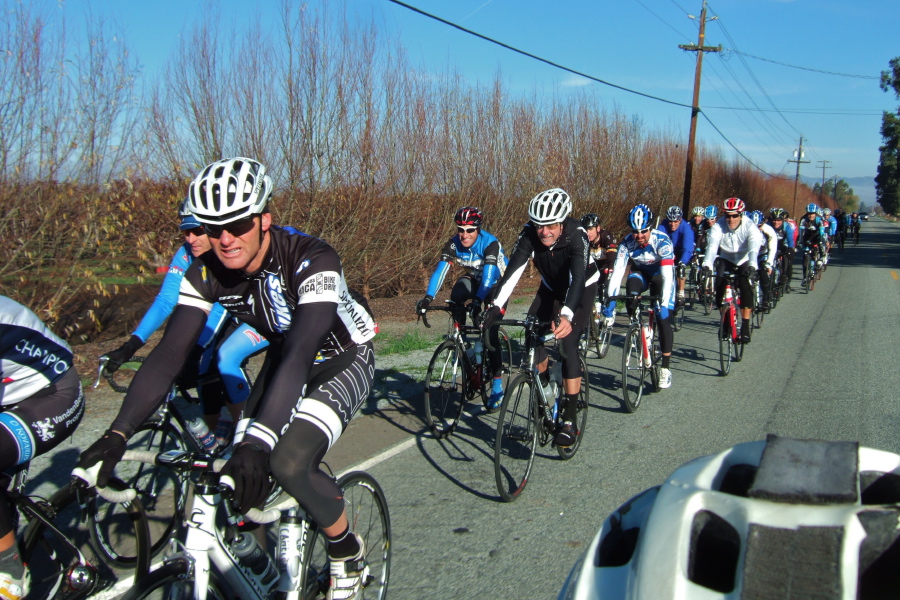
(798, 160)
(699, 48)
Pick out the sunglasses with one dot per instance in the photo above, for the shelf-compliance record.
(640, 230)
(732, 216)
(235, 228)
(194, 231)
(466, 229)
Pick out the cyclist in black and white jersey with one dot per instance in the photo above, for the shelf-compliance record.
(559, 247)
(41, 404)
(318, 370)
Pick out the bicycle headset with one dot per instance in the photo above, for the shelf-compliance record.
(753, 521)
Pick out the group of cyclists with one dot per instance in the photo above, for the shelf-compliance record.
(240, 285)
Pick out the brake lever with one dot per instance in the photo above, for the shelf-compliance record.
(100, 371)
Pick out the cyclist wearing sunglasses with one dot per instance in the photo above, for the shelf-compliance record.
(223, 345)
(736, 241)
(319, 366)
(811, 236)
(682, 235)
(480, 254)
(651, 255)
(602, 244)
(784, 231)
(559, 248)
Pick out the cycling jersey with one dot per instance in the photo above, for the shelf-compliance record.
(484, 261)
(300, 279)
(656, 257)
(769, 250)
(603, 249)
(562, 267)
(832, 226)
(737, 246)
(701, 230)
(785, 235)
(810, 232)
(682, 240)
(32, 358)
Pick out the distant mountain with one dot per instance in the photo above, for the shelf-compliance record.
(864, 187)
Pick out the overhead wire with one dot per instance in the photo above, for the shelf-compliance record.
(876, 78)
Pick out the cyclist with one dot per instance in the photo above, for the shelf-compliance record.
(220, 347)
(700, 227)
(785, 233)
(602, 244)
(41, 404)
(810, 239)
(766, 258)
(854, 224)
(682, 236)
(319, 366)
(651, 256)
(481, 255)
(559, 248)
(736, 241)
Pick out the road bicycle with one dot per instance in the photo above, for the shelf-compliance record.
(641, 352)
(68, 535)
(706, 291)
(162, 492)
(731, 348)
(810, 264)
(855, 234)
(841, 236)
(678, 314)
(459, 370)
(530, 416)
(758, 314)
(597, 334)
(204, 562)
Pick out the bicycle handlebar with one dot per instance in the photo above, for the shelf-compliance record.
(110, 377)
(88, 479)
(526, 323)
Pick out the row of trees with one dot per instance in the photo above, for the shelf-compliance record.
(367, 151)
(887, 181)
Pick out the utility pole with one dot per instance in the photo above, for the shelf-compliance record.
(798, 158)
(699, 48)
(822, 189)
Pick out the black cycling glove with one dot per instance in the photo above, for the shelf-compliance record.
(122, 354)
(475, 309)
(109, 449)
(491, 315)
(423, 304)
(248, 467)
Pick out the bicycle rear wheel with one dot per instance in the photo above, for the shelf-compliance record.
(678, 321)
(367, 512)
(581, 415)
(604, 337)
(62, 558)
(633, 372)
(516, 438)
(725, 342)
(175, 581)
(445, 390)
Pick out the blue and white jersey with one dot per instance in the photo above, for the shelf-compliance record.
(167, 298)
(832, 226)
(657, 256)
(484, 260)
(31, 356)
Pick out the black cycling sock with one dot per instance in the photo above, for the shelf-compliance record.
(745, 325)
(343, 546)
(544, 377)
(570, 413)
(11, 562)
(665, 361)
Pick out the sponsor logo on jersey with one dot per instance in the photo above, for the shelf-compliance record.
(303, 265)
(280, 308)
(319, 283)
(48, 358)
(254, 337)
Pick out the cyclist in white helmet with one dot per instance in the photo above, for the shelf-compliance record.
(559, 247)
(318, 369)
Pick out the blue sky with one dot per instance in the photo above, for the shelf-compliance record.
(633, 44)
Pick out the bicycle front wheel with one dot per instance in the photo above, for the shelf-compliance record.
(725, 342)
(60, 552)
(516, 438)
(604, 337)
(709, 295)
(633, 371)
(678, 321)
(506, 357)
(175, 581)
(445, 390)
(581, 415)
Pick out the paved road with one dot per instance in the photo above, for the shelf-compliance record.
(822, 366)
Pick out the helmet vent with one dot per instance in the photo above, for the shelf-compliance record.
(617, 547)
(714, 551)
(879, 488)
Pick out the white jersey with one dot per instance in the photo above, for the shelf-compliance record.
(737, 245)
(770, 244)
(31, 356)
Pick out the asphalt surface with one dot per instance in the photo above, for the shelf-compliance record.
(822, 366)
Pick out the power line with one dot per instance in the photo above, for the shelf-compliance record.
(804, 68)
(858, 112)
(535, 57)
(742, 155)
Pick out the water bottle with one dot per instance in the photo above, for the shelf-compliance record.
(201, 432)
(252, 556)
(470, 352)
(478, 349)
(224, 428)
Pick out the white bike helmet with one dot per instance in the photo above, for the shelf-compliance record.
(762, 519)
(228, 190)
(549, 207)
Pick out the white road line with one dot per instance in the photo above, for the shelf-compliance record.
(380, 458)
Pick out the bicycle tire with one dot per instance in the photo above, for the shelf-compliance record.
(581, 415)
(445, 390)
(604, 337)
(709, 297)
(656, 354)
(506, 356)
(633, 372)
(57, 570)
(516, 438)
(174, 580)
(678, 321)
(162, 492)
(367, 512)
(725, 343)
